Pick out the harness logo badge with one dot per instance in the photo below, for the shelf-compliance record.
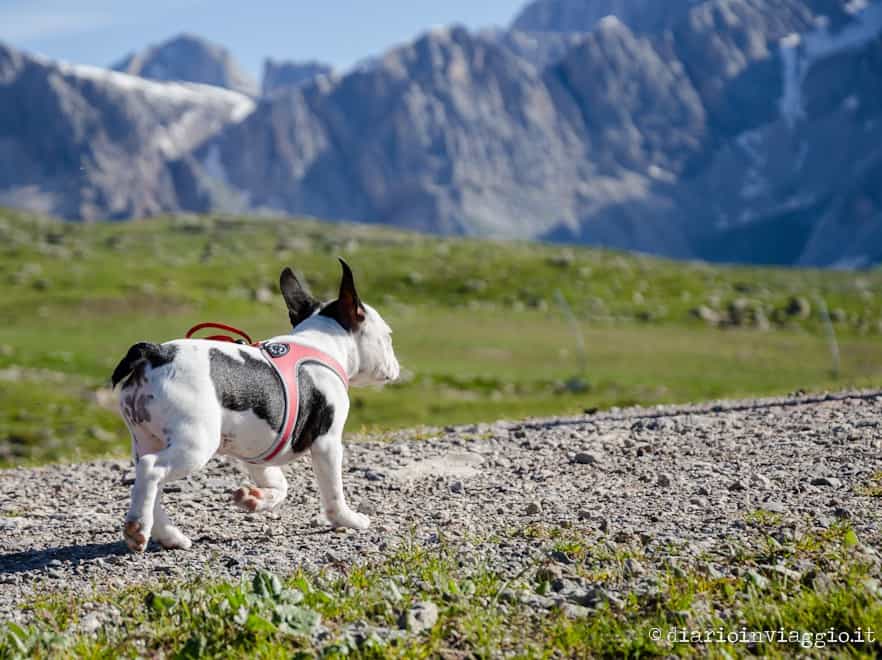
(277, 350)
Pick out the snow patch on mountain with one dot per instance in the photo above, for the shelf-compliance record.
(800, 52)
(856, 6)
(752, 144)
(240, 105)
(610, 22)
(201, 110)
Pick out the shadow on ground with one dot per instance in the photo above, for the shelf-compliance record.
(21, 562)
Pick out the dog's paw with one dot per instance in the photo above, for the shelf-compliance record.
(360, 521)
(350, 519)
(134, 535)
(249, 498)
(171, 538)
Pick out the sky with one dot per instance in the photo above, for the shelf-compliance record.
(340, 32)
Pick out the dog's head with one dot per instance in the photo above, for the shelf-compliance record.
(372, 335)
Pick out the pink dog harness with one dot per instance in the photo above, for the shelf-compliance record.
(287, 358)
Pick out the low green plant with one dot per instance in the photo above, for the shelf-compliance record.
(357, 613)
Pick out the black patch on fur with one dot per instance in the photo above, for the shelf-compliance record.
(334, 310)
(254, 386)
(142, 353)
(316, 414)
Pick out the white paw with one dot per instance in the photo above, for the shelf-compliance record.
(349, 519)
(171, 538)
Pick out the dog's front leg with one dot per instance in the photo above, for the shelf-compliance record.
(271, 490)
(327, 461)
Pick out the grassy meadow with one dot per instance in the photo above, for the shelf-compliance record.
(484, 330)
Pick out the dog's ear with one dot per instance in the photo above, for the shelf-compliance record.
(351, 311)
(300, 303)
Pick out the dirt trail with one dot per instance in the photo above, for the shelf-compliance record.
(656, 478)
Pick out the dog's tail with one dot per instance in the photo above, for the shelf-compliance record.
(138, 354)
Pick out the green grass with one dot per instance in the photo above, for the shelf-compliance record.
(873, 487)
(479, 612)
(479, 326)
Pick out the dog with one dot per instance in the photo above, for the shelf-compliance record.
(187, 400)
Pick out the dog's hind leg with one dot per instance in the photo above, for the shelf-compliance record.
(271, 489)
(327, 461)
(189, 446)
(149, 473)
(165, 533)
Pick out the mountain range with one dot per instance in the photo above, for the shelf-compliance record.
(727, 130)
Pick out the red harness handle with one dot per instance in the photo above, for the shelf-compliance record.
(219, 326)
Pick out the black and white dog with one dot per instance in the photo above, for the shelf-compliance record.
(186, 400)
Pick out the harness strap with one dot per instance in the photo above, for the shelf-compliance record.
(219, 326)
(287, 358)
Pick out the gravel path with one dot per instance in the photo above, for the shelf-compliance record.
(651, 477)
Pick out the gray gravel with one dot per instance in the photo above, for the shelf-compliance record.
(656, 478)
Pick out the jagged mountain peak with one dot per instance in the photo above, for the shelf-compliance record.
(739, 130)
(565, 16)
(189, 58)
(281, 75)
